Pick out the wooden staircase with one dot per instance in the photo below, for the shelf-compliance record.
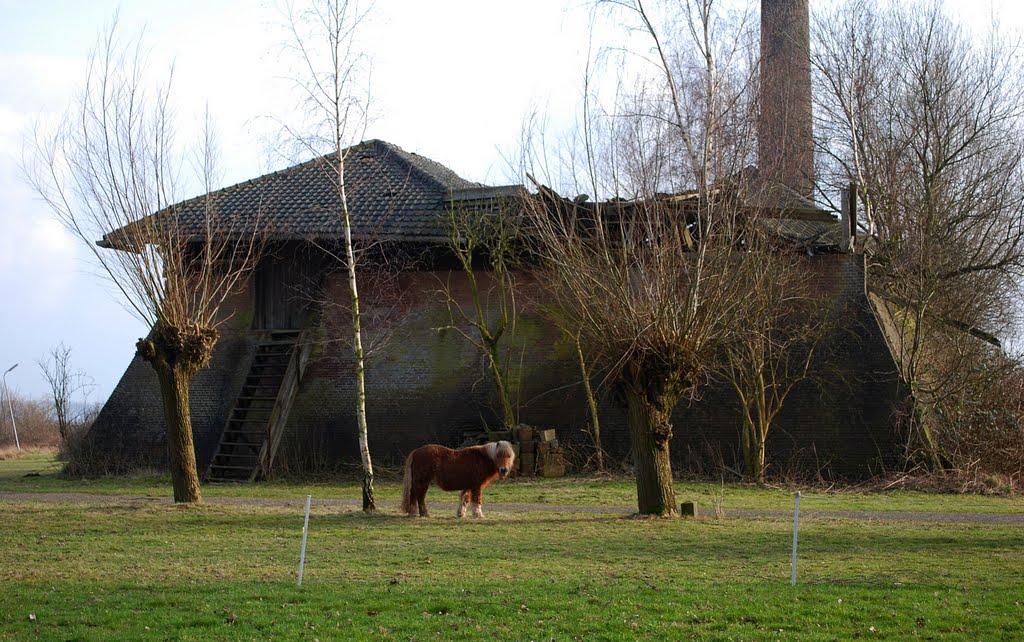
(257, 419)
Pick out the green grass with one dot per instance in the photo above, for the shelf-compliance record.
(569, 491)
(15, 466)
(148, 571)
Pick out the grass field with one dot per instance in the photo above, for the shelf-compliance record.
(153, 571)
(43, 477)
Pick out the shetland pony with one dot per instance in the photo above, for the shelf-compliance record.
(468, 470)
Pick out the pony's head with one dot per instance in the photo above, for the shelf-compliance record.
(503, 455)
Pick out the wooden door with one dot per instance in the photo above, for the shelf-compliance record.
(285, 291)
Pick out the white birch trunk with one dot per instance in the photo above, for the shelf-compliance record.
(357, 345)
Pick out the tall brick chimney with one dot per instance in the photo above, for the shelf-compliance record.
(785, 147)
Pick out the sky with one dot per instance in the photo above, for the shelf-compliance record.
(452, 81)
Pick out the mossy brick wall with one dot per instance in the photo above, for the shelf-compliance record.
(429, 386)
(842, 420)
(130, 432)
(423, 383)
(426, 385)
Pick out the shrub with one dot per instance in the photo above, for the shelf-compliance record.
(36, 428)
(982, 428)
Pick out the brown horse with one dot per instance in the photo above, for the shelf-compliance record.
(469, 470)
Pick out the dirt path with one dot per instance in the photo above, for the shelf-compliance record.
(951, 518)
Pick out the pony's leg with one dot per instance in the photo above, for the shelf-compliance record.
(463, 500)
(412, 507)
(419, 496)
(478, 502)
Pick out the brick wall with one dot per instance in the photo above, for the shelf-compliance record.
(429, 386)
(130, 431)
(425, 385)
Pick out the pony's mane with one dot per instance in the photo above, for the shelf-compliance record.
(504, 447)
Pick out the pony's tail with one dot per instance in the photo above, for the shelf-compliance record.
(407, 486)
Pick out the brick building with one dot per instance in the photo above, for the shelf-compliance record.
(283, 357)
(426, 385)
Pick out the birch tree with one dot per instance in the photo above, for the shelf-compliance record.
(333, 82)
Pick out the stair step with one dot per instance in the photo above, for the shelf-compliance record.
(226, 467)
(246, 444)
(265, 381)
(231, 456)
(255, 390)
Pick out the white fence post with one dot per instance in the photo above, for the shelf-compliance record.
(796, 521)
(305, 532)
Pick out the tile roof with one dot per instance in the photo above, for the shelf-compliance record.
(391, 193)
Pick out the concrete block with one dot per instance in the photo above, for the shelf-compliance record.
(552, 469)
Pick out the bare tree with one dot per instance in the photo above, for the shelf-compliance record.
(111, 170)
(488, 237)
(64, 383)
(333, 83)
(594, 429)
(647, 280)
(773, 344)
(928, 122)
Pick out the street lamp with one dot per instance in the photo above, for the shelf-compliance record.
(10, 408)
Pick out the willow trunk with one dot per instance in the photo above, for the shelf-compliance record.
(650, 430)
(174, 391)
